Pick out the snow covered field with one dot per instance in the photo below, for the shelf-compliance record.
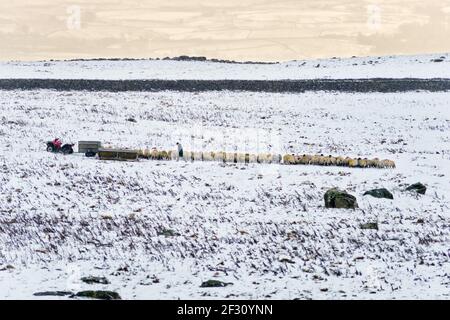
(159, 229)
(421, 66)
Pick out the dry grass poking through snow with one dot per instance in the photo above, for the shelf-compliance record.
(262, 227)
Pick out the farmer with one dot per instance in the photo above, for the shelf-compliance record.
(57, 143)
(180, 151)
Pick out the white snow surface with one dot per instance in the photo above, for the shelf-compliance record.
(418, 66)
(263, 228)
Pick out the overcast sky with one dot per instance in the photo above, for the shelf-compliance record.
(264, 30)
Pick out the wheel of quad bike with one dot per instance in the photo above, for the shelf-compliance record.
(50, 148)
(67, 150)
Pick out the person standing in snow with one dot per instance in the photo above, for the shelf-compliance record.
(180, 151)
(57, 143)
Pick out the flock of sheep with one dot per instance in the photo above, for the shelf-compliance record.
(235, 157)
(322, 160)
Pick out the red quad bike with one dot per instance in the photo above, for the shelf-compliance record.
(57, 146)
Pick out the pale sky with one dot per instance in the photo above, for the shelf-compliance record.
(260, 30)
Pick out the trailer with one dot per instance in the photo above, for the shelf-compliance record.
(89, 148)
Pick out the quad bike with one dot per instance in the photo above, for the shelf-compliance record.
(57, 146)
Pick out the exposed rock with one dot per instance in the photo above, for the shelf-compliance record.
(52, 293)
(92, 280)
(379, 193)
(131, 120)
(214, 284)
(287, 260)
(98, 294)
(369, 225)
(167, 233)
(123, 269)
(335, 198)
(417, 187)
(7, 267)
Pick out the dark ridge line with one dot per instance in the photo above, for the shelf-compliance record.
(442, 57)
(178, 58)
(275, 86)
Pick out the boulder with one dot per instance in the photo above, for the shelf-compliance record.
(214, 284)
(92, 280)
(335, 198)
(369, 225)
(52, 293)
(7, 267)
(97, 294)
(417, 187)
(379, 193)
(167, 233)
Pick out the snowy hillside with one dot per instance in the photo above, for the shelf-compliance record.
(422, 66)
(160, 229)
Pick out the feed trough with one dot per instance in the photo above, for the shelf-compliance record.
(117, 154)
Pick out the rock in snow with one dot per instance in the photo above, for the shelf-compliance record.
(417, 187)
(214, 284)
(369, 225)
(92, 280)
(379, 193)
(52, 293)
(97, 294)
(335, 198)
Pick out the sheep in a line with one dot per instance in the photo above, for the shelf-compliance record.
(265, 158)
(230, 157)
(240, 157)
(276, 158)
(289, 159)
(187, 156)
(208, 156)
(373, 163)
(329, 160)
(387, 163)
(268, 158)
(252, 158)
(197, 156)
